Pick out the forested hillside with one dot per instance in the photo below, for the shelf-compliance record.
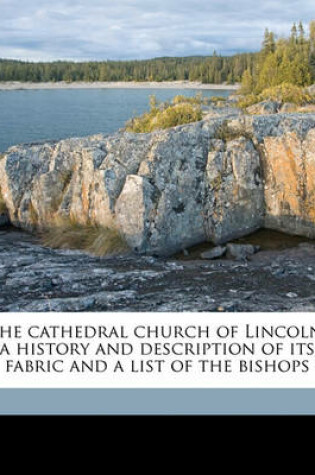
(213, 69)
(283, 61)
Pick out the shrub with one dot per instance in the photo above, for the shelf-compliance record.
(97, 240)
(197, 99)
(287, 93)
(216, 99)
(284, 93)
(226, 133)
(183, 110)
(247, 101)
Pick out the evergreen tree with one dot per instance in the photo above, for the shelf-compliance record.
(312, 49)
(247, 82)
(290, 61)
(206, 69)
(294, 33)
(301, 33)
(269, 43)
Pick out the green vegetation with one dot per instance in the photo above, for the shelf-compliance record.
(227, 133)
(286, 61)
(198, 99)
(214, 69)
(217, 99)
(97, 240)
(283, 93)
(181, 111)
(312, 48)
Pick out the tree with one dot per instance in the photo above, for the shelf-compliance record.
(312, 33)
(312, 49)
(294, 34)
(247, 82)
(301, 33)
(290, 61)
(269, 43)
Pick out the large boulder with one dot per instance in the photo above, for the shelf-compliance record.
(264, 108)
(171, 189)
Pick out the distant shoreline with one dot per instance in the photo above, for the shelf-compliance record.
(14, 86)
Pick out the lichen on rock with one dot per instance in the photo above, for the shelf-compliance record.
(171, 189)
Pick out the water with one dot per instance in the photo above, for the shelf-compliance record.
(266, 239)
(36, 115)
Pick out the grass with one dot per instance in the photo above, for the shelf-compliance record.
(164, 115)
(97, 240)
(182, 110)
(227, 134)
(198, 99)
(216, 99)
(284, 93)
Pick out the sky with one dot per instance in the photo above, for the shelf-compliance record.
(138, 29)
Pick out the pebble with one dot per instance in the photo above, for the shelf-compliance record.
(292, 295)
(241, 251)
(214, 253)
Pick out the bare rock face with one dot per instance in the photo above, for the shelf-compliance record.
(234, 200)
(214, 180)
(264, 108)
(290, 183)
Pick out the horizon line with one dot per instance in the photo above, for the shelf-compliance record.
(154, 58)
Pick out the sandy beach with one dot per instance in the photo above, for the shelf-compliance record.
(14, 86)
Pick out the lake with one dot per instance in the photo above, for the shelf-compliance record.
(35, 115)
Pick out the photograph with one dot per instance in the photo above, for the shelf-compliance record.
(157, 157)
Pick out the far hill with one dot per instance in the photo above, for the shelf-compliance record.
(206, 69)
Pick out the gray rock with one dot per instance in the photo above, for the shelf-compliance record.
(214, 253)
(307, 245)
(241, 251)
(33, 278)
(292, 295)
(264, 108)
(215, 180)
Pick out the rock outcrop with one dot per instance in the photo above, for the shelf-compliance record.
(214, 180)
(38, 279)
(264, 108)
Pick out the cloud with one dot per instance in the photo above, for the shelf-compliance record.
(125, 29)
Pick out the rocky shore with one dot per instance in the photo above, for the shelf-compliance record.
(212, 182)
(15, 86)
(38, 279)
